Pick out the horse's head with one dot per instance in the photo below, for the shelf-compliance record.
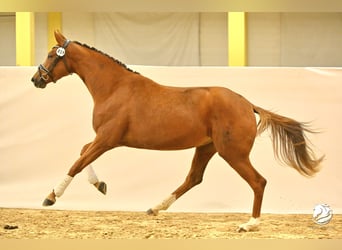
(55, 65)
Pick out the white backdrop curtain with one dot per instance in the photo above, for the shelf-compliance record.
(149, 38)
(295, 39)
(274, 39)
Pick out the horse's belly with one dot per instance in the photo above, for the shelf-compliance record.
(166, 145)
(161, 139)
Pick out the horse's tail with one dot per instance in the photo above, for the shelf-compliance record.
(290, 144)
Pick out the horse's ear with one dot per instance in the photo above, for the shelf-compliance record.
(60, 39)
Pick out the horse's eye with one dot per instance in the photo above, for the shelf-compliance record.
(50, 56)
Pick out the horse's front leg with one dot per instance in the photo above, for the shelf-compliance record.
(92, 177)
(91, 153)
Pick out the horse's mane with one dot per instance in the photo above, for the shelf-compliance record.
(99, 51)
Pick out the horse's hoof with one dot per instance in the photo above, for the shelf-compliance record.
(241, 230)
(251, 225)
(50, 199)
(101, 186)
(151, 212)
(47, 202)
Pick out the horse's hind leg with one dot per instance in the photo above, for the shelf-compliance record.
(257, 183)
(239, 161)
(201, 158)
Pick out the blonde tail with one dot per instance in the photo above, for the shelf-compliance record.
(290, 144)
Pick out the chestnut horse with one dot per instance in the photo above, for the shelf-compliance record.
(132, 110)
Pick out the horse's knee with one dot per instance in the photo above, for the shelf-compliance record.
(85, 147)
(75, 170)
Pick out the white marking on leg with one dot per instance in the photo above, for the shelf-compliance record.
(59, 189)
(92, 178)
(165, 204)
(252, 224)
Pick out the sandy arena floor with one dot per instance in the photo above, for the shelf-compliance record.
(60, 224)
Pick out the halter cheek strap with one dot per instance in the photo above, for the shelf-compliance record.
(61, 52)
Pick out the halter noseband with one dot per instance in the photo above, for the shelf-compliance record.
(60, 55)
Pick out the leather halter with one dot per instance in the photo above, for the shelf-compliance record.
(60, 52)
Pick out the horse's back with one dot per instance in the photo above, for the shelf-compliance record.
(174, 118)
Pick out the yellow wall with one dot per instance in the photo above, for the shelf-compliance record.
(24, 38)
(25, 49)
(237, 39)
(54, 23)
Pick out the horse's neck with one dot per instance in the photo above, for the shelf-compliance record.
(100, 74)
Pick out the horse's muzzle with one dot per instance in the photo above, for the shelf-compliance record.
(39, 82)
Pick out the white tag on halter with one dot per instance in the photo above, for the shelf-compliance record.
(60, 52)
